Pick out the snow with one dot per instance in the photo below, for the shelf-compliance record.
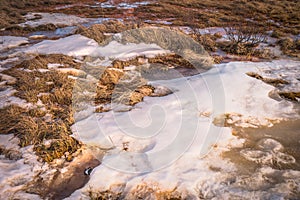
(52, 18)
(15, 174)
(111, 4)
(75, 45)
(168, 141)
(7, 42)
(7, 98)
(78, 45)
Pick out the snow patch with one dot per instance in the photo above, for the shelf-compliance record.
(51, 18)
(7, 42)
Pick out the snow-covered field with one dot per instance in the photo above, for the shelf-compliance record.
(170, 143)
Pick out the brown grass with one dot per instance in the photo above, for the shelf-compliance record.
(103, 195)
(292, 96)
(12, 11)
(41, 61)
(32, 126)
(149, 191)
(274, 82)
(31, 129)
(97, 31)
(133, 92)
(208, 13)
(290, 47)
(283, 16)
(208, 41)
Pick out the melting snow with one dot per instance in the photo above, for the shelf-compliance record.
(7, 42)
(165, 140)
(52, 18)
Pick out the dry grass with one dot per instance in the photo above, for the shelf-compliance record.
(113, 79)
(208, 41)
(290, 47)
(274, 82)
(142, 191)
(208, 13)
(12, 11)
(97, 31)
(32, 129)
(283, 16)
(150, 191)
(292, 96)
(41, 61)
(33, 126)
(104, 195)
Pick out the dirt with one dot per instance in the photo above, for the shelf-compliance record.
(63, 183)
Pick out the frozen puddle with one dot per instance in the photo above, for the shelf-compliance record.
(171, 143)
(37, 19)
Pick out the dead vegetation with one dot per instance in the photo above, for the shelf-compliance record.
(274, 82)
(292, 96)
(244, 38)
(290, 47)
(47, 127)
(208, 41)
(103, 195)
(152, 191)
(279, 83)
(31, 128)
(141, 191)
(209, 13)
(41, 62)
(113, 82)
(12, 11)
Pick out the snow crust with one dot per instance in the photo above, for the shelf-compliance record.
(172, 141)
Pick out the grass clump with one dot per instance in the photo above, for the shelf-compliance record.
(292, 96)
(41, 62)
(149, 191)
(208, 41)
(290, 47)
(47, 126)
(31, 128)
(244, 37)
(104, 195)
(97, 31)
(271, 81)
